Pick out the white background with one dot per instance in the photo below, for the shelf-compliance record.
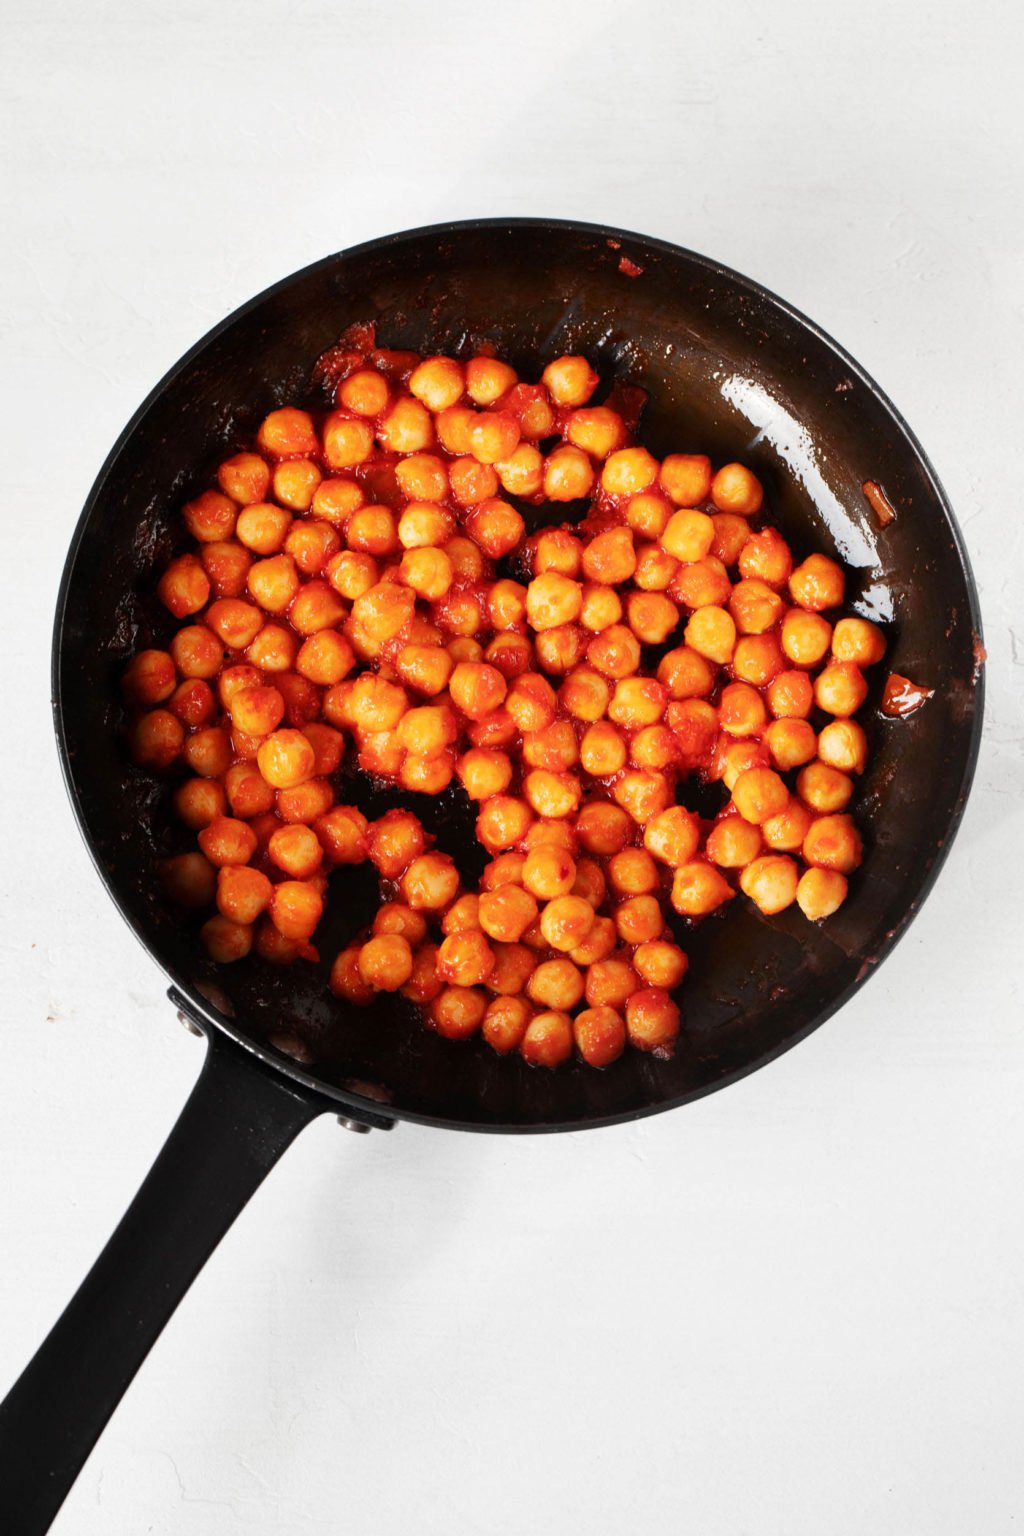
(796, 1307)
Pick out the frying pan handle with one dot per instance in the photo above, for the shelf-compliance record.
(239, 1119)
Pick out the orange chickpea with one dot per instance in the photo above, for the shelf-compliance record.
(385, 962)
(791, 743)
(660, 964)
(302, 699)
(648, 513)
(770, 882)
(274, 947)
(506, 913)
(189, 879)
(826, 790)
(610, 557)
(547, 1040)
(304, 802)
(652, 1021)
(295, 483)
(245, 478)
(346, 981)
(296, 907)
(790, 695)
(785, 832)
(465, 959)
(806, 637)
(734, 489)
(553, 600)
(639, 919)
(858, 641)
(570, 380)
(566, 921)
(317, 606)
(406, 428)
(184, 586)
(493, 436)
(558, 550)
(554, 748)
(487, 380)
(531, 702)
(502, 822)
(311, 545)
(336, 498)
(585, 694)
(348, 442)
(732, 533)
(225, 941)
(242, 893)
(702, 584)
(603, 828)
(531, 405)
(759, 794)
(365, 392)
(352, 573)
(156, 739)
(513, 967)
(463, 914)
(597, 945)
(496, 731)
(227, 841)
(505, 1023)
(628, 471)
(257, 711)
(694, 724)
(427, 729)
(548, 871)
(637, 701)
(655, 570)
(642, 794)
(615, 652)
(817, 584)
(598, 431)
(458, 1012)
(766, 557)
(603, 750)
(556, 984)
(686, 478)
(610, 983)
(755, 607)
(424, 668)
(248, 793)
(196, 651)
(840, 688)
(484, 772)
(325, 658)
(427, 571)
(496, 527)
(820, 892)
(150, 677)
(654, 746)
(600, 1036)
(842, 744)
(833, 842)
(688, 535)
(342, 833)
(210, 518)
(422, 477)
(235, 622)
(427, 775)
(698, 889)
(568, 474)
(741, 710)
(430, 882)
(686, 674)
(672, 836)
(438, 382)
(551, 794)
(652, 616)
(273, 583)
(559, 650)
(285, 758)
(712, 633)
(198, 801)
(296, 850)
(472, 482)
(262, 527)
(522, 473)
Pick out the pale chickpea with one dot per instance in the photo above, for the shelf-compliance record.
(566, 921)
(603, 750)
(653, 746)
(672, 836)
(184, 586)
(734, 489)
(453, 426)
(602, 607)
(484, 772)
(686, 478)
(505, 1023)
(487, 380)
(507, 912)
(597, 945)
(245, 478)
(632, 872)
(826, 790)
(427, 729)
(531, 701)
(699, 889)
(556, 984)
(833, 842)
(273, 583)
(570, 380)
(840, 688)
(660, 963)
(425, 669)
(688, 535)
(522, 473)
(642, 794)
(430, 882)
(558, 550)
(770, 882)
(628, 471)
(820, 892)
(785, 832)
(842, 744)
(325, 658)
(407, 427)
(597, 430)
(637, 701)
(351, 573)
(438, 383)
(791, 743)
(465, 958)
(741, 710)
(553, 795)
(610, 982)
(652, 1021)
(817, 584)
(458, 1012)
(422, 477)
(496, 527)
(806, 637)
(547, 1040)
(686, 674)
(568, 474)
(712, 633)
(858, 641)
(600, 1036)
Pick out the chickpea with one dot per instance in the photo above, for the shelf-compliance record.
(325, 658)
(406, 428)
(755, 607)
(302, 700)
(688, 535)
(858, 641)
(647, 514)
(568, 474)
(652, 616)
(547, 834)
(531, 702)
(547, 1040)
(424, 669)
(632, 872)
(553, 600)
(712, 633)
(660, 964)
(242, 893)
(842, 744)
(840, 688)
(372, 531)
(552, 794)
(493, 436)
(570, 380)
(826, 790)
(225, 941)
(833, 842)
(496, 527)
(463, 914)
(554, 749)
(458, 1012)
(184, 587)
(429, 883)
(603, 750)
(257, 711)
(227, 841)
(335, 499)
(197, 653)
(465, 959)
(484, 772)
(672, 836)
(210, 518)
(652, 1021)
(311, 545)
(817, 584)
(770, 882)
(786, 832)
(732, 534)
(686, 674)
(247, 791)
(295, 484)
(273, 583)
(615, 652)
(791, 743)
(600, 1036)
(461, 614)
(653, 746)
(759, 794)
(734, 489)
(548, 872)
(385, 962)
(790, 695)
(245, 478)
(296, 850)
(472, 482)
(703, 584)
(352, 573)
(610, 557)
(502, 822)
(598, 431)
(285, 758)
(198, 801)
(487, 380)
(628, 471)
(686, 477)
(642, 794)
(597, 945)
(637, 701)
(639, 919)
(694, 724)
(820, 892)
(348, 442)
(384, 611)
(766, 557)
(513, 967)
(438, 382)
(274, 947)
(346, 981)
(208, 751)
(522, 473)
(556, 984)
(364, 393)
(427, 729)
(531, 405)
(585, 694)
(304, 802)
(506, 912)
(424, 775)
(741, 710)
(590, 882)
(698, 889)
(328, 747)
(156, 739)
(149, 677)
(611, 982)
(427, 571)
(495, 731)
(805, 637)
(505, 1023)
(262, 527)
(566, 921)
(422, 477)
(189, 879)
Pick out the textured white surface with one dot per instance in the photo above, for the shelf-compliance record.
(796, 1307)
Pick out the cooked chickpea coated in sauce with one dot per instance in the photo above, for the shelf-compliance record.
(358, 592)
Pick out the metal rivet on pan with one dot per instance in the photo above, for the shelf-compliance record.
(354, 1125)
(190, 1024)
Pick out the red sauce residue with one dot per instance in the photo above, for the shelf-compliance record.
(614, 245)
(629, 400)
(901, 697)
(980, 656)
(879, 502)
(630, 268)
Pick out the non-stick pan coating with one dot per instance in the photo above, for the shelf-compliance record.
(730, 370)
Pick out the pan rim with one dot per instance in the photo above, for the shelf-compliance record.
(286, 1066)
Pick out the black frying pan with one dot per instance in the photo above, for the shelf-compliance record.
(730, 370)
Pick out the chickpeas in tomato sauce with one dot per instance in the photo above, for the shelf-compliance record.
(359, 584)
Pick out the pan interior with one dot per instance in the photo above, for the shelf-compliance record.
(730, 371)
